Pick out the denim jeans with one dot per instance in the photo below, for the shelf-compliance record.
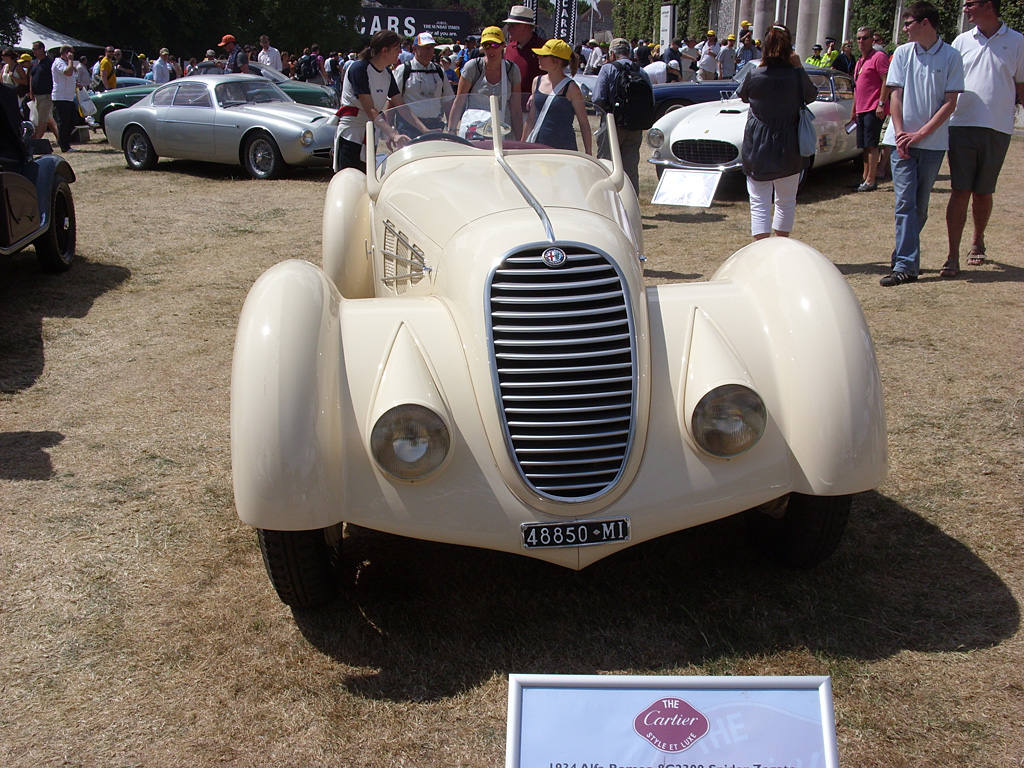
(912, 181)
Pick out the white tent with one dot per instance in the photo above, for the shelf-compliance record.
(33, 30)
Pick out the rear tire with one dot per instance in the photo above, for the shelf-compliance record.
(138, 150)
(302, 565)
(55, 249)
(799, 531)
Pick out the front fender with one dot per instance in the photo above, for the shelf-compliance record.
(42, 172)
(285, 406)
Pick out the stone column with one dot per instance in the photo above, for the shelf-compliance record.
(806, 33)
(830, 22)
(764, 15)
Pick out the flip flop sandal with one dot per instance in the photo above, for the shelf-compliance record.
(976, 258)
(949, 270)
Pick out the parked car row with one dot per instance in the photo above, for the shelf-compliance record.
(303, 93)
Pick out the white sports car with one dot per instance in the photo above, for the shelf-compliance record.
(709, 136)
(479, 362)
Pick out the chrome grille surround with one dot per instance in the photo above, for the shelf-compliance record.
(711, 152)
(563, 354)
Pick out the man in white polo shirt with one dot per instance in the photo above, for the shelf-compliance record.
(925, 78)
(981, 127)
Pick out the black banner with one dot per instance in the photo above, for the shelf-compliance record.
(409, 22)
(565, 20)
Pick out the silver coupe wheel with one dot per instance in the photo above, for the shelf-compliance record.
(138, 150)
(262, 158)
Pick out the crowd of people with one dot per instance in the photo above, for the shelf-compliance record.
(929, 97)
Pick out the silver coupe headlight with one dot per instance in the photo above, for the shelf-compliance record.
(655, 137)
(306, 138)
(409, 442)
(728, 420)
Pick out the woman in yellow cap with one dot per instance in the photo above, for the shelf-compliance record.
(556, 100)
(485, 76)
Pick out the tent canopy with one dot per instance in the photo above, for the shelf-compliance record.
(33, 30)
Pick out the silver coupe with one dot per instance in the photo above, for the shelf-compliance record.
(236, 119)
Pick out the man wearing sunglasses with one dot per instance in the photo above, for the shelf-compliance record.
(925, 78)
(981, 126)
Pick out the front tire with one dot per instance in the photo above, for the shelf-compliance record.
(55, 249)
(302, 565)
(799, 531)
(138, 150)
(261, 157)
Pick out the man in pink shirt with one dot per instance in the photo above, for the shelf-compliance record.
(870, 75)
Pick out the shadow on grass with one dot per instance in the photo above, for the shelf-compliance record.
(668, 274)
(992, 272)
(27, 295)
(222, 172)
(23, 455)
(436, 620)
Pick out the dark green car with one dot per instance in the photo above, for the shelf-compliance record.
(304, 93)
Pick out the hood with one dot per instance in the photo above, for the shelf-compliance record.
(716, 120)
(411, 192)
(303, 114)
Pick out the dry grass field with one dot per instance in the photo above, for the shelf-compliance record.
(137, 627)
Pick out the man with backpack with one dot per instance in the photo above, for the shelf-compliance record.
(623, 92)
(423, 83)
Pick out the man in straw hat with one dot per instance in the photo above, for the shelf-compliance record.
(522, 39)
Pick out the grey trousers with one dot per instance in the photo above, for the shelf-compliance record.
(629, 147)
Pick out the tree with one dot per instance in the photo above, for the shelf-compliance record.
(11, 13)
(190, 27)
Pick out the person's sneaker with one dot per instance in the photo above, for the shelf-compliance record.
(897, 278)
(866, 187)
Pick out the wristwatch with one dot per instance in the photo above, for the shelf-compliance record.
(881, 103)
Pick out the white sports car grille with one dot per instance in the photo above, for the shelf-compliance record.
(564, 359)
(705, 151)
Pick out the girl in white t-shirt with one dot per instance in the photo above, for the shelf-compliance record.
(369, 88)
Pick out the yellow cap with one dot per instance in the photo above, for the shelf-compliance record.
(492, 35)
(555, 47)
(711, 33)
(731, 37)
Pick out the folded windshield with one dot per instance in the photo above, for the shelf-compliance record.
(467, 120)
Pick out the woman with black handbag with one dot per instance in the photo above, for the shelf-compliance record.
(777, 91)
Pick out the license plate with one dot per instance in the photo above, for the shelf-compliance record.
(577, 533)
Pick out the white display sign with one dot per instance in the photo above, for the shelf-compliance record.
(692, 188)
(667, 28)
(606, 721)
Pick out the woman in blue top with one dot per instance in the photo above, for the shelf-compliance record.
(557, 100)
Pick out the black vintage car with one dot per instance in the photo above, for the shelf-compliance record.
(36, 189)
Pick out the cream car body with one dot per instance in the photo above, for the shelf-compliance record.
(567, 394)
(709, 136)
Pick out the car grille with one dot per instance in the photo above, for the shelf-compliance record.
(705, 151)
(564, 357)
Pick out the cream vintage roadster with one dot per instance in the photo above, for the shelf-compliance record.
(478, 361)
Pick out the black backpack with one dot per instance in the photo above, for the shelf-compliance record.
(632, 98)
(308, 70)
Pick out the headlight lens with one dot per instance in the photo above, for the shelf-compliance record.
(306, 138)
(728, 420)
(655, 138)
(409, 442)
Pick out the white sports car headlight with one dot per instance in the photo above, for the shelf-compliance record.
(655, 138)
(409, 442)
(728, 420)
(306, 138)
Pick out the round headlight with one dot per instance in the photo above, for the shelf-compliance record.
(655, 137)
(728, 420)
(306, 138)
(409, 442)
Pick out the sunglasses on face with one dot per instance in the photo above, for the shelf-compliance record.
(977, 2)
(491, 45)
(866, 37)
(909, 24)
